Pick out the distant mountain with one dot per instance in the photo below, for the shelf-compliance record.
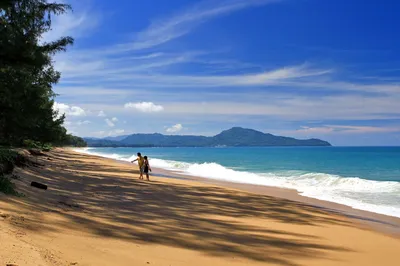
(233, 137)
(118, 138)
(91, 138)
(238, 136)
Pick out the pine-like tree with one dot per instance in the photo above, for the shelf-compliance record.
(27, 74)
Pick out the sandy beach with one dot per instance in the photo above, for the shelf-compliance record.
(97, 212)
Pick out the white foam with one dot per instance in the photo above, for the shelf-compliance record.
(376, 196)
(106, 155)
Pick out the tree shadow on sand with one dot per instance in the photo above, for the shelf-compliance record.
(203, 218)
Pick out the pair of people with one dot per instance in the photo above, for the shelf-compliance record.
(144, 166)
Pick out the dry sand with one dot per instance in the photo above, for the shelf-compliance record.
(97, 212)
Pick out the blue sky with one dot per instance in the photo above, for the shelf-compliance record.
(300, 68)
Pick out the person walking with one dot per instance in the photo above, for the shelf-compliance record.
(140, 161)
(146, 168)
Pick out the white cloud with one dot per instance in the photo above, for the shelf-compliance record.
(114, 119)
(68, 110)
(101, 114)
(174, 128)
(109, 122)
(145, 107)
(61, 107)
(76, 111)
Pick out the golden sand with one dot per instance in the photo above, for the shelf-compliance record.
(97, 212)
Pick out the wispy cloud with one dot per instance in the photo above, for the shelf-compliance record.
(75, 24)
(117, 132)
(85, 122)
(204, 85)
(123, 66)
(346, 129)
(124, 77)
(78, 67)
(111, 133)
(158, 32)
(128, 61)
(146, 74)
(170, 28)
(109, 122)
(295, 107)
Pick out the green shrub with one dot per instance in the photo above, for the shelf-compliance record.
(31, 144)
(47, 147)
(7, 155)
(8, 159)
(7, 187)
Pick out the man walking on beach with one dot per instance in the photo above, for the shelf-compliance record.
(140, 161)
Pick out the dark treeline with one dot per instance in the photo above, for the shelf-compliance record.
(27, 75)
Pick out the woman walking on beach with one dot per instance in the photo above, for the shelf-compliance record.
(140, 161)
(146, 168)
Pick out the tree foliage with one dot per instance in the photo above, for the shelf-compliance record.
(27, 74)
(74, 141)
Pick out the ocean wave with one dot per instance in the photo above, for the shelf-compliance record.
(376, 196)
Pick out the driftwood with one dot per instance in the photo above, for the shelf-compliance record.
(38, 185)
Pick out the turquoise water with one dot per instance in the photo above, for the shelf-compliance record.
(365, 178)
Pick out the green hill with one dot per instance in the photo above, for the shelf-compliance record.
(233, 137)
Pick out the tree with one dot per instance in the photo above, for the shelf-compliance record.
(74, 141)
(27, 73)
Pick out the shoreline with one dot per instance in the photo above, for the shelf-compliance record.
(382, 222)
(97, 212)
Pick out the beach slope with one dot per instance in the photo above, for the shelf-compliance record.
(97, 212)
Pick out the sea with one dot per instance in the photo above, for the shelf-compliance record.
(365, 178)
